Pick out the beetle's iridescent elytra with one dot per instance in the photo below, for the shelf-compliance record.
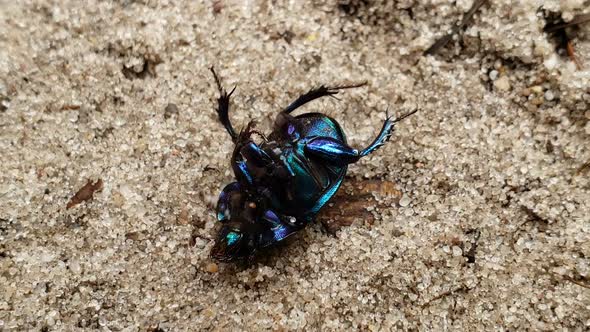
(282, 183)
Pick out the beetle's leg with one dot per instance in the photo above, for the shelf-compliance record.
(339, 153)
(384, 134)
(223, 107)
(279, 227)
(255, 155)
(242, 172)
(229, 198)
(334, 151)
(251, 162)
(318, 93)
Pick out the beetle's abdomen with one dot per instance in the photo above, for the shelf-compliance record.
(298, 183)
(311, 184)
(307, 178)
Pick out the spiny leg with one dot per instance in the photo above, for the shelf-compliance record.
(254, 155)
(318, 93)
(250, 162)
(339, 153)
(223, 107)
(384, 134)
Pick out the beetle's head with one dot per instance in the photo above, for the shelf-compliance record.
(285, 125)
(238, 212)
(235, 240)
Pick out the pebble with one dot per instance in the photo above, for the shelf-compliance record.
(404, 201)
(171, 109)
(212, 268)
(502, 84)
(118, 199)
(536, 89)
(549, 95)
(183, 217)
(537, 101)
(493, 75)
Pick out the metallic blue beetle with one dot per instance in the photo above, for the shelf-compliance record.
(283, 182)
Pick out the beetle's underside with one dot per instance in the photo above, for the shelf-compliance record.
(283, 182)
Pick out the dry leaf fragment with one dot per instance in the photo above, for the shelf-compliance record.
(85, 193)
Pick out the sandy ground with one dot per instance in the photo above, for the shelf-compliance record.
(481, 221)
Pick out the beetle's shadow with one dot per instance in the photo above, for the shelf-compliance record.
(294, 245)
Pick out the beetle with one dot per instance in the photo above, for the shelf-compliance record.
(283, 182)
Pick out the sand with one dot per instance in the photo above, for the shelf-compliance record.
(483, 223)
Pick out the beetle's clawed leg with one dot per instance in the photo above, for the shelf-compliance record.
(322, 91)
(252, 130)
(259, 133)
(249, 129)
(384, 136)
(385, 133)
(339, 153)
(246, 133)
(223, 106)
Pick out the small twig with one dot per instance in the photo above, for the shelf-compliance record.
(572, 55)
(572, 280)
(461, 288)
(559, 30)
(579, 19)
(583, 168)
(568, 278)
(466, 18)
(85, 193)
(70, 107)
(470, 255)
(533, 216)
